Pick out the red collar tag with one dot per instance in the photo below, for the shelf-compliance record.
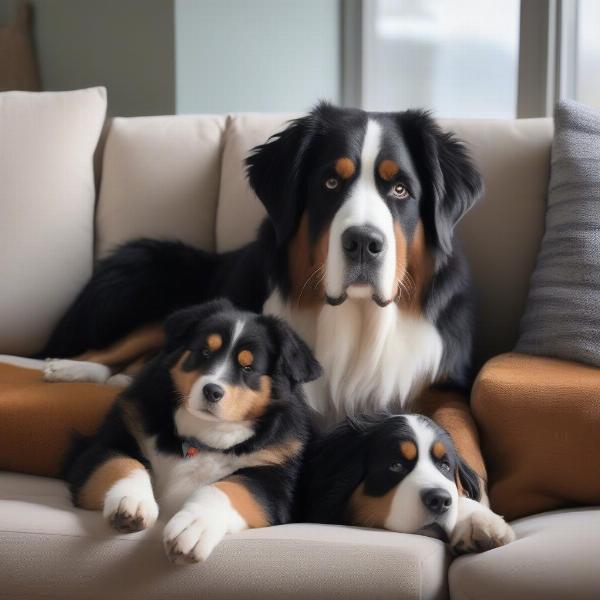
(189, 450)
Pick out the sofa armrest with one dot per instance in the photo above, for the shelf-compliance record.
(539, 420)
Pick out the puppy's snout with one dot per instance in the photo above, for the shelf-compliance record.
(213, 392)
(363, 244)
(437, 500)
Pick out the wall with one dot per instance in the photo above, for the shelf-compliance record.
(126, 45)
(256, 55)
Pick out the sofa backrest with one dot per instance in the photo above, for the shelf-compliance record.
(182, 177)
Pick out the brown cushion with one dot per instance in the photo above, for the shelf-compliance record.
(539, 420)
(37, 418)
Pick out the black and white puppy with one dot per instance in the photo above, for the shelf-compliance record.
(213, 430)
(398, 472)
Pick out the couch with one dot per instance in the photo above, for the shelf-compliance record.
(181, 176)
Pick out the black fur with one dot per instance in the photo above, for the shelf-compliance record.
(154, 397)
(143, 281)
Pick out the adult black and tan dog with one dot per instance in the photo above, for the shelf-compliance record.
(213, 430)
(357, 254)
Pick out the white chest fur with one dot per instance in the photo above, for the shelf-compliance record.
(373, 358)
(174, 479)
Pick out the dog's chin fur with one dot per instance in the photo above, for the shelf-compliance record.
(211, 430)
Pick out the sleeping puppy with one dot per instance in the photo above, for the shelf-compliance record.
(397, 472)
(213, 430)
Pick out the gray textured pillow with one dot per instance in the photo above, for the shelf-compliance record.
(562, 318)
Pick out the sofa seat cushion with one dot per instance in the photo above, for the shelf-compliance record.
(555, 557)
(49, 549)
(539, 420)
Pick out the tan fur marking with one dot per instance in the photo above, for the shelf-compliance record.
(245, 358)
(306, 266)
(408, 449)
(214, 341)
(243, 404)
(439, 450)
(183, 380)
(244, 502)
(388, 169)
(345, 167)
(277, 454)
(91, 495)
(370, 511)
(142, 341)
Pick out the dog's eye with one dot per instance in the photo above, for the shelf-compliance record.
(331, 183)
(400, 191)
(247, 368)
(397, 467)
(205, 353)
(444, 465)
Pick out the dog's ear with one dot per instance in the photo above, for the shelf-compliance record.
(335, 466)
(468, 480)
(451, 182)
(274, 171)
(295, 358)
(181, 325)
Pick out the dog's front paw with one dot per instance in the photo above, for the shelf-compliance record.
(478, 529)
(128, 513)
(59, 369)
(190, 537)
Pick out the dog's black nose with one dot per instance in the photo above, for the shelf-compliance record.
(213, 392)
(437, 500)
(363, 244)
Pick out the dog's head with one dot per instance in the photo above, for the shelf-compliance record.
(232, 370)
(398, 472)
(362, 198)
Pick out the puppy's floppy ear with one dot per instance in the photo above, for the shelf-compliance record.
(274, 171)
(295, 358)
(451, 182)
(181, 325)
(468, 479)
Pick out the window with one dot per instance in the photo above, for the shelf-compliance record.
(586, 80)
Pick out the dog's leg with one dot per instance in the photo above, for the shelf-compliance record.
(120, 486)
(100, 366)
(478, 527)
(225, 507)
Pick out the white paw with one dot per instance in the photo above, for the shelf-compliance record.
(130, 513)
(190, 537)
(119, 380)
(478, 528)
(60, 369)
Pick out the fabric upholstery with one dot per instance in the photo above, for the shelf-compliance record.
(50, 550)
(554, 558)
(539, 420)
(160, 178)
(563, 311)
(38, 418)
(47, 194)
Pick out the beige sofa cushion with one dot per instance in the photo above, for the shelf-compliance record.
(554, 558)
(160, 179)
(539, 420)
(50, 550)
(47, 195)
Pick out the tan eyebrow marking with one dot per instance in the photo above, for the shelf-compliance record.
(439, 450)
(214, 342)
(245, 358)
(387, 169)
(408, 449)
(345, 167)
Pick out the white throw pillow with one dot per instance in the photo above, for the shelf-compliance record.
(47, 195)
